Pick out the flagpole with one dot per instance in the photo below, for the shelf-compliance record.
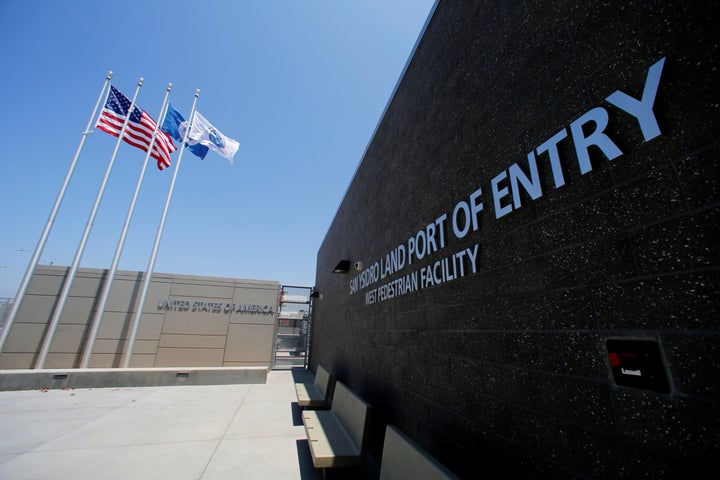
(50, 221)
(67, 285)
(151, 264)
(97, 318)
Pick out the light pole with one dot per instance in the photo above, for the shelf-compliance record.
(30, 251)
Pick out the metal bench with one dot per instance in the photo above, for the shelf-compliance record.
(337, 436)
(402, 459)
(315, 395)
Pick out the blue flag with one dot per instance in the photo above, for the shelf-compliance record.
(175, 126)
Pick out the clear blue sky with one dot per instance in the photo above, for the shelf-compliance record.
(300, 84)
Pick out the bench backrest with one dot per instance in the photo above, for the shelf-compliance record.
(322, 380)
(352, 411)
(403, 459)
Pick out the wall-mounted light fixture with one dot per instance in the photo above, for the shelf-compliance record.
(343, 266)
(358, 265)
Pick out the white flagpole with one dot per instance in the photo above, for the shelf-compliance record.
(48, 225)
(67, 285)
(97, 318)
(151, 264)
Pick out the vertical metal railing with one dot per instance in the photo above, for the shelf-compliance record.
(293, 327)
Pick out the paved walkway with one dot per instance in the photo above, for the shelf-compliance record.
(182, 432)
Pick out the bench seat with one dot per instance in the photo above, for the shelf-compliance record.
(309, 395)
(337, 436)
(330, 444)
(314, 395)
(403, 459)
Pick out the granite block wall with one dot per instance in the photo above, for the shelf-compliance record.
(537, 222)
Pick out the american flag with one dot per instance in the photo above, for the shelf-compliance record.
(139, 129)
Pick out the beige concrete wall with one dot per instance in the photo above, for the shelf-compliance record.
(213, 328)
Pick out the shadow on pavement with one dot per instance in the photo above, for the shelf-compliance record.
(307, 469)
(296, 414)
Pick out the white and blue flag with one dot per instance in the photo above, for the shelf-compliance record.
(202, 132)
(175, 126)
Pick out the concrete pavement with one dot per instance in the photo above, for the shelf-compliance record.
(179, 432)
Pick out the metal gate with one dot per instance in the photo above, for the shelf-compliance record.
(294, 324)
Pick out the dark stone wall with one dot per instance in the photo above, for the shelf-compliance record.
(506, 372)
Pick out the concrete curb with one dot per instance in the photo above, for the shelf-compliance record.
(128, 377)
